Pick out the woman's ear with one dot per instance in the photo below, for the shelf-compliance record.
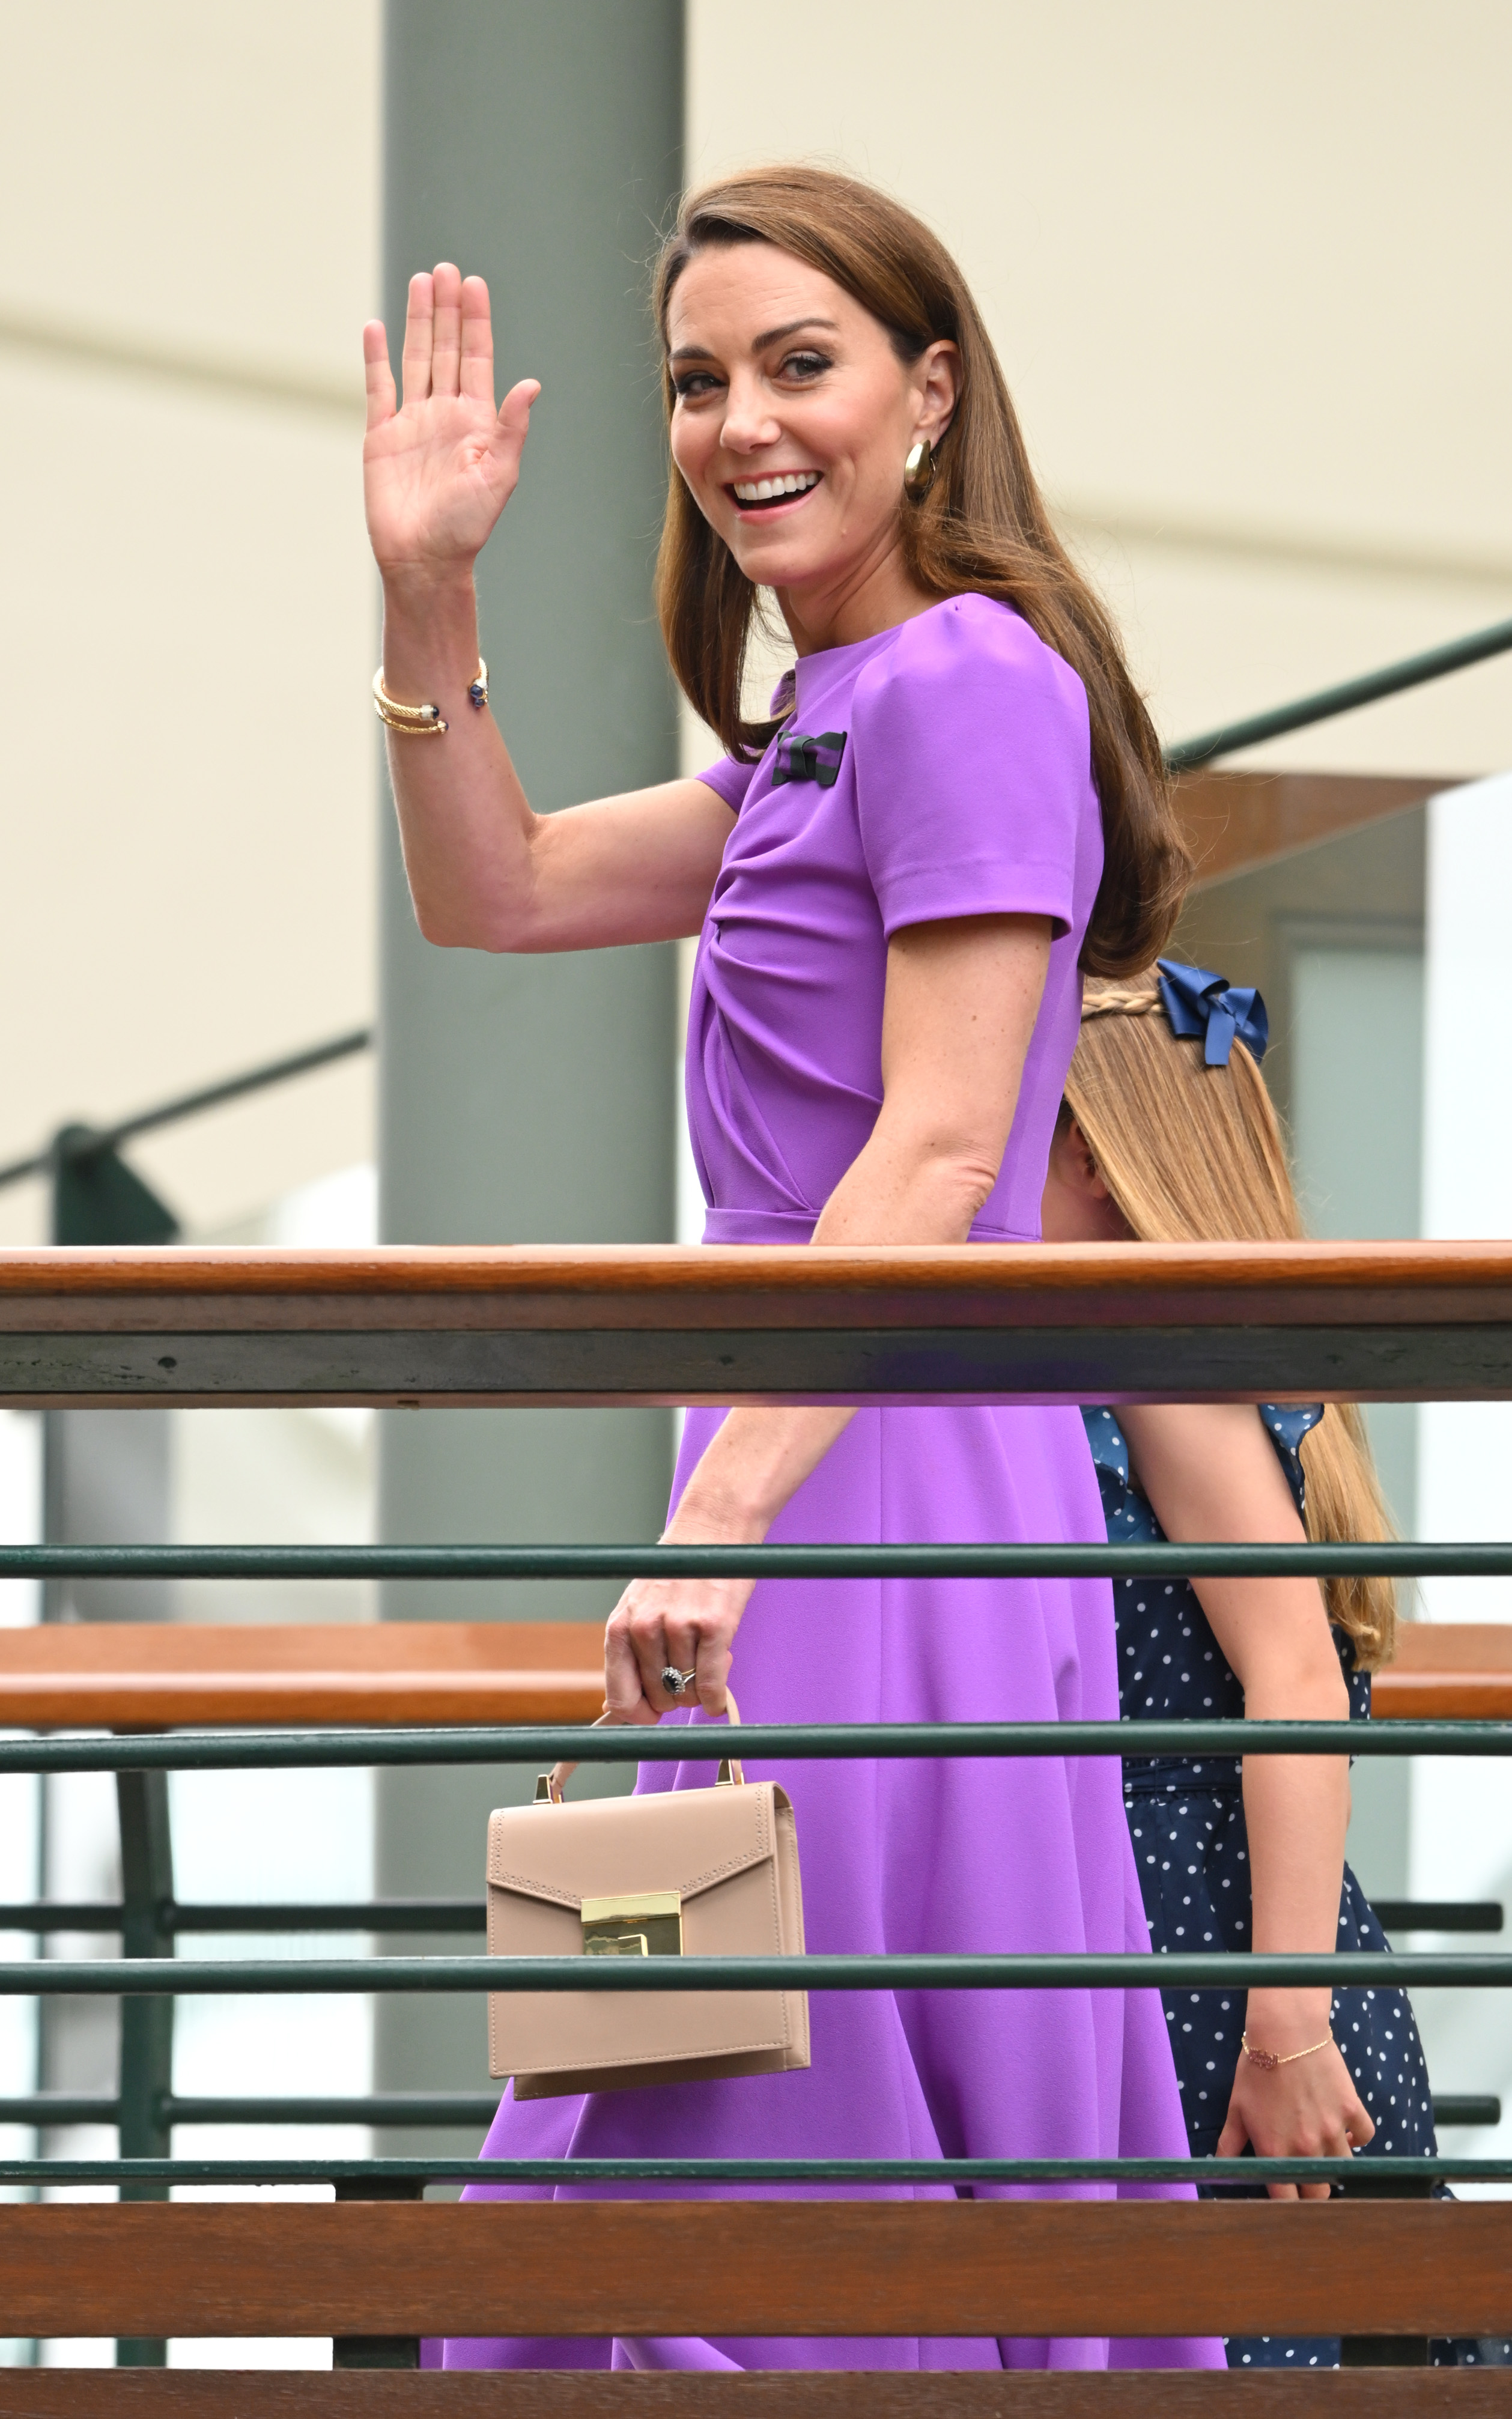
(937, 373)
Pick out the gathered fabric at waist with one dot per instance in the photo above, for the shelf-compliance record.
(798, 1225)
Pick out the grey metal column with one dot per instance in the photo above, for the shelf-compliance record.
(147, 2025)
(531, 1100)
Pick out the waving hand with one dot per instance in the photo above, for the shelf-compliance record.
(439, 467)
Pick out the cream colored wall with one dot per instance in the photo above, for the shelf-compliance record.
(1244, 269)
(1243, 266)
(189, 200)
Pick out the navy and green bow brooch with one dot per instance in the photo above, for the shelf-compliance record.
(802, 758)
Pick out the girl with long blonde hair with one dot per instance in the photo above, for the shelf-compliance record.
(1166, 1134)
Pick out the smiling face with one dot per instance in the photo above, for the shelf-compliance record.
(793, 418)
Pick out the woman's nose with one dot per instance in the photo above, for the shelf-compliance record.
(749, 421)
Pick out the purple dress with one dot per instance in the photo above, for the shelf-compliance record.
(940, 769)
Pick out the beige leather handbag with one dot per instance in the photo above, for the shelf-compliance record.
(706, 1872)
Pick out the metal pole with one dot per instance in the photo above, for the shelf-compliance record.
(532, 1098)
(146, 2024)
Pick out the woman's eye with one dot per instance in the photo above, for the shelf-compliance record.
(690, 384)
(806, 365)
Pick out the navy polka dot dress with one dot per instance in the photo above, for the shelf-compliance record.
(1186, 1819)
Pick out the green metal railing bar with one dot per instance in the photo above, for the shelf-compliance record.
(708, 1743)
(1343, 698)
(962, 1562)
(47, 1917)
(49, 2110)
(1364, 2175)
(1079, 1971)
(85, 1141)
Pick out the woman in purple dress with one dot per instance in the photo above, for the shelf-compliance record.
(956, 805)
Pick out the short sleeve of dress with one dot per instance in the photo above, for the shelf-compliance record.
(1286, 1425)
(973, 769)
(729, 779)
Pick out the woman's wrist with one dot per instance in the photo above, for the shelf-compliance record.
(715, 1516)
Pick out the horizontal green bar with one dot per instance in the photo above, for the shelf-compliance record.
(50, 1916)
(1121, 1970)
(708, 1741)
(1463, 1561)
(1364, 2176)
(377, 1916)
(336, 2108)
(50, 2109)
(1343, 698)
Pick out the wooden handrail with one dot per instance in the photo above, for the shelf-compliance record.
(1011, 1322)
(1447, 1670)
(125, 1675)
(131, 1675)
(756, 2393)
(847, 2267)
(1459, 1279)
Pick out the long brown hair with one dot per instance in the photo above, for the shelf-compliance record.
(983, 529)
(1194, 1154)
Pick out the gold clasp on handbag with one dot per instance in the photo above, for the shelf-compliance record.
(648, 1924)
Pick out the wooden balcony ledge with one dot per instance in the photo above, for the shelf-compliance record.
(525, 1325)
(131, 1675)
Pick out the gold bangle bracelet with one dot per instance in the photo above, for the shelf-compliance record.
(1268, 2059)
(424, 721)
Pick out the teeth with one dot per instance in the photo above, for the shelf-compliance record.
(788, 482)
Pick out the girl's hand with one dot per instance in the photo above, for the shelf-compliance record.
(438, 472)
(1308, 2108)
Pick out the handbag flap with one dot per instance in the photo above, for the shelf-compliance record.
(682, 1840)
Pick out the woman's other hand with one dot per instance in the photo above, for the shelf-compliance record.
(1308, 2108)
(438, 468)
(681, 1625)
(676, 1625)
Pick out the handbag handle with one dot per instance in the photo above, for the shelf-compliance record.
(731, 1775)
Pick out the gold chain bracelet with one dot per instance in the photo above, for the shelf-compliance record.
(1268, 2059)
(424, 721)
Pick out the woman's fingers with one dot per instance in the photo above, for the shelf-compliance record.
(624, 1693)
(712, 1663)
(514, 422)
(418, 326)
(446, 329)
(477, 342)
(378, 374)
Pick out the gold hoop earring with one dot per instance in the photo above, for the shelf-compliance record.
(919, 471)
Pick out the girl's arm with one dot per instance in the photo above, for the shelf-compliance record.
(961, 1003)
(1211, 1474)
(484, 872)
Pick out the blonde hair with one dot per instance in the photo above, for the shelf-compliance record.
(1194, 1154)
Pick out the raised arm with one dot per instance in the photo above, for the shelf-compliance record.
(1211, 1475)
(484, 872)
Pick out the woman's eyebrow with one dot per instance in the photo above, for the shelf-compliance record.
(775, 335)
(759, 344)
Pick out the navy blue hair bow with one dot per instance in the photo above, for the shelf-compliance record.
(800, 758)
(1200, 1003)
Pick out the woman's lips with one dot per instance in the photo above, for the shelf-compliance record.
(768, 507)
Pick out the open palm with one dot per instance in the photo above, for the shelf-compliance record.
(438, 470)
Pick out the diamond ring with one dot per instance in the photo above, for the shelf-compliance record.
(675, 1682)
